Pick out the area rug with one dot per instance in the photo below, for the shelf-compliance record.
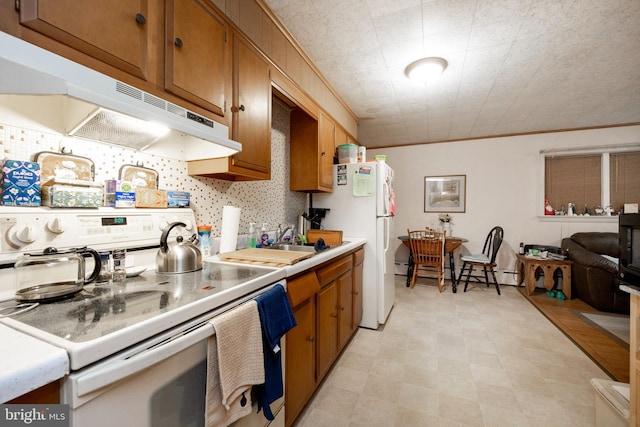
(615, 325)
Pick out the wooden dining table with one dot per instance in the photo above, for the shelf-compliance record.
(450, 245)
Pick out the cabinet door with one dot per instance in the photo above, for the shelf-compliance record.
(197, 55)
(358, 274)
(341, 138)
(327, 327)
(112, 31)
(326, 150)
(358, 277)
(300, 351)
(251, 108)
(345, 308)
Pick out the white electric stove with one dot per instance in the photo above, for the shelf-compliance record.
(103, 319)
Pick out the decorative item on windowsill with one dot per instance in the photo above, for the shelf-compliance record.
(548, 209)
(445, 223)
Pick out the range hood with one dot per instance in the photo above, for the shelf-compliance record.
(43, 91)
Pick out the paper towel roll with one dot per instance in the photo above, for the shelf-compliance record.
(229, 232)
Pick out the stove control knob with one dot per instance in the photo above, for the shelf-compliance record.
(22, 235)
(56, 225)
(188, 224)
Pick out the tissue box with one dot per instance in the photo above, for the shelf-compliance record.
(119, 194)
(71, 196)
(21, 183)
(150, 198)
(178, 199)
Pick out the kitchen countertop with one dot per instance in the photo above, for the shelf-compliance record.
(349, 244)
(28, 363)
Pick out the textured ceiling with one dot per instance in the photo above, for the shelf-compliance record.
(515, 66)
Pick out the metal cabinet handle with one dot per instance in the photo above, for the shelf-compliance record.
(241, 107)
(311, 339)
(178, 42)
(342, 307)
(140, 19)
(334, 314)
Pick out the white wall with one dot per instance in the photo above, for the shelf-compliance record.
(502, 176)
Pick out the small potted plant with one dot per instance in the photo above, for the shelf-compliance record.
(445, 222)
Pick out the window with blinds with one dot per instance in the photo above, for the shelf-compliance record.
(573, 179)
(624, 173)
(592, 179)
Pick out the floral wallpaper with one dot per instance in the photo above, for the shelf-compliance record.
(268, 202)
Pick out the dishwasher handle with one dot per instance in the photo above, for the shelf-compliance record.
(118, 369)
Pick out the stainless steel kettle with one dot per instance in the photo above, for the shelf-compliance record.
(181, 257)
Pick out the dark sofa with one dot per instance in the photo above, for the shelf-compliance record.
(594, 278)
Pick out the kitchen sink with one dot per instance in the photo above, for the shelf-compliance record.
(290, 247)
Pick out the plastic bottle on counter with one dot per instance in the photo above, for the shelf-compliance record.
(264, 235)
(119, 272)
(204, 235)
(253, 235)
(521, 250)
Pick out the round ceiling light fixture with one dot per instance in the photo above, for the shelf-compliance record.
(425, 70)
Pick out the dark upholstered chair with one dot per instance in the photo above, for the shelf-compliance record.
(594, 277)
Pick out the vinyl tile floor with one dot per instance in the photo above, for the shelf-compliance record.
(464, 359)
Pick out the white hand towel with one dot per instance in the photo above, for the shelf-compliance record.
(240, 357)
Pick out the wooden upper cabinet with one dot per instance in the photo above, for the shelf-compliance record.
(113, 31)
(251, 108)
(311, 152)
(197, 54)
(341, 137)
(251, 123)
(326, 150)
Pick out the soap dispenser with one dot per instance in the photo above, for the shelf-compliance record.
(264, 235)
(253, 235)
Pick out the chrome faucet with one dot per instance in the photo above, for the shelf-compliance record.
(280, 233)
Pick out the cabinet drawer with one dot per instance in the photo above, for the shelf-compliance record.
(302, 288)
(358, 256)
(330, 273)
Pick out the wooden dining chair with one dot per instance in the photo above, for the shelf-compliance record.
(427, 250)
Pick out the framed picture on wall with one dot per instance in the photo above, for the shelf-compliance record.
(445, 193)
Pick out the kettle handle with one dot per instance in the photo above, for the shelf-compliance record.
(164, 247)
(97, 264)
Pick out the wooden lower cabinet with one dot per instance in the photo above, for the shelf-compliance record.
(358, 279)
(325, 301)
(327, 327)
(300, 371)
(47, 394)
(345, 309)
(300, 351)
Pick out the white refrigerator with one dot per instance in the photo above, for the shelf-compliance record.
(362, 205)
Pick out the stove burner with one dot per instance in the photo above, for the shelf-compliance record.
(234, 274)
(107, 301)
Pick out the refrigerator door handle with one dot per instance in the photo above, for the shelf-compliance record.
(386, 242)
